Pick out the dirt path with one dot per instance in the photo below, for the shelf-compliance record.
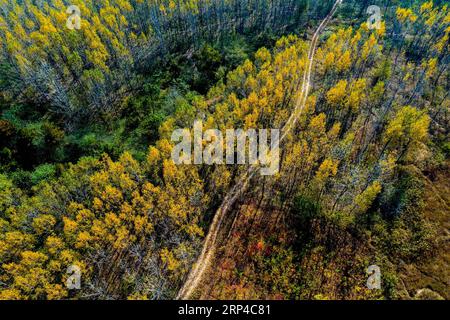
(210, 244)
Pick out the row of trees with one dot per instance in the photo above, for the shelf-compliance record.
(75, 71)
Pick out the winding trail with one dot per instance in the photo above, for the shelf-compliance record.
(210, 244)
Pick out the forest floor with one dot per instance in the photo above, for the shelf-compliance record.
(430, 278)
(233, 275)
(262, 258)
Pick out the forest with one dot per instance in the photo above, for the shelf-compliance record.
(87, 180)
